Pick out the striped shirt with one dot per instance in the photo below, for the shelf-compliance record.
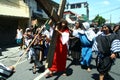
(115, 46)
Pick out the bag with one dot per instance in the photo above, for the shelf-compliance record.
(103, 64)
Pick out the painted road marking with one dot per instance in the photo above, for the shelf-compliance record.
(42, 74)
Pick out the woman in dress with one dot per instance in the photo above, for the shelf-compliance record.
(86, 36)
(74, 43)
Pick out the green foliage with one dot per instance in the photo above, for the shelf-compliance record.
(99, 19)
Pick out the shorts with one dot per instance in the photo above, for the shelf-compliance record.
(19, 41)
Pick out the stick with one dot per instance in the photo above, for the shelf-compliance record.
(27, 48)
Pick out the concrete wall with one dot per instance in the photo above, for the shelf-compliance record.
(8, 27)
(15, 8)
(7, 31)
(12, 14)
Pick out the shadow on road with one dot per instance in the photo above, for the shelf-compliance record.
(107, 77)
(69, 72)
(95, 76)
(4, 47)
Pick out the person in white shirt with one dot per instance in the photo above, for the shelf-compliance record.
(74, 43)
(19, 36)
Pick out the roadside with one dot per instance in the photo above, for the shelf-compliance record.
(10, 55)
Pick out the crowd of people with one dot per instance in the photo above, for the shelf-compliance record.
(37, 51)
(79, 42)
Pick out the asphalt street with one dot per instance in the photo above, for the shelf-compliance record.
(74, 72)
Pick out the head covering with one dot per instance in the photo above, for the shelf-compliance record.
(86, 25)
(109, 27)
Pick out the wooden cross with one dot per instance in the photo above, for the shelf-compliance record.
(55, 16)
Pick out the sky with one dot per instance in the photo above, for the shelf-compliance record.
(108, 9)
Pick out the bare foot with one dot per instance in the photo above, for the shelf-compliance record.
(50, 74)
(12, 68)
(64, 74)
(88, 69)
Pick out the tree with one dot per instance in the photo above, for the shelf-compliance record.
(99, 19)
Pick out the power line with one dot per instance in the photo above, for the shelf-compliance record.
(106, 12)
(110, 10)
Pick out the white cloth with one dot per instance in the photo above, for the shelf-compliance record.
(48, 33)
(86, 25)
(75, 32)
(27, 41)
(90, 34)
(30, 53)
(19, 34)
(88, 31)
(115, 46)
(64, 38)
(98, 33)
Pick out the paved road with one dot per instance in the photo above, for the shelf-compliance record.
(24, 69)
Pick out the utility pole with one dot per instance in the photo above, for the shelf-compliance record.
(78, 5)
(110, 18)
(87, 9)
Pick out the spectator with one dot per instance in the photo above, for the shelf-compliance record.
(38, 51)
(19, 37)
(116, 28)
(74, 43)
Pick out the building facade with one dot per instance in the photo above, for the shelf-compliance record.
(12, 14)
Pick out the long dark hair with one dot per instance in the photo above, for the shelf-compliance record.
(109, 27)
(80, 23)
(115, 28)
(60, 24)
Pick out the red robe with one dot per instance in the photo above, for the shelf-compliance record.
(60, 55)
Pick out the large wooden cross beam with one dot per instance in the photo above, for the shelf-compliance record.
(49, 9)
(55, 16)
